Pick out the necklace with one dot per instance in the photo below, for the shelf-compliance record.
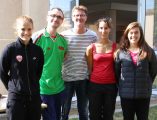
(103, 48)
(106, 46)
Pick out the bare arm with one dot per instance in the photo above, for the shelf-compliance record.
(89, 58)
(116, 50)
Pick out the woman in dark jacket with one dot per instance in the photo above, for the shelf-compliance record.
(21, 66)
(136, 68)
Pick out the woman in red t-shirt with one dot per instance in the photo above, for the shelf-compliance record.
(102, 87)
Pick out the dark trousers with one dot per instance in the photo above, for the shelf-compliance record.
(102, 99)
(54, 103)
(140, 107)
(24, 109)
(80, 88)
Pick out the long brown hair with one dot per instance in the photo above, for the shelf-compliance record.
(142, 44)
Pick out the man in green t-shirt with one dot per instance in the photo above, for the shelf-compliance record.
(54, 47)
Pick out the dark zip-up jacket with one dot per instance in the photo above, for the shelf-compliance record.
(135, 81)
(21, 67)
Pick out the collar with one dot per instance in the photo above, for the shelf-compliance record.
(48, 34)
(19, 41)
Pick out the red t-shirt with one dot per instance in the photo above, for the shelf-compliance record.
(103, 67)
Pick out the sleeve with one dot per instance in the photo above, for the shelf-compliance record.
(117, 66)
(153, 66)
(37, 35)
(41, 63)
(65, 42)
(34, 37)
(5, 63)
(95, 37)
(66, 49)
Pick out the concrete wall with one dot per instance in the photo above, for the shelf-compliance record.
(37, 9)
(149, 29)
(10, 10)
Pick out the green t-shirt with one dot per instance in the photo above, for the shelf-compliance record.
(54, 49)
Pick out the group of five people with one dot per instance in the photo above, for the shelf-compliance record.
(91, 65)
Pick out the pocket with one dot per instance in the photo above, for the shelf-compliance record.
(10, 103)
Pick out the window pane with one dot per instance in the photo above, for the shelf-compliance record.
(149, 22)
(66, 6)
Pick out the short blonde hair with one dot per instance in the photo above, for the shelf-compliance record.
(24, 19)
(80, 7)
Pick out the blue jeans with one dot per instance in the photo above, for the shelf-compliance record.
(54, 103)
(80, 88)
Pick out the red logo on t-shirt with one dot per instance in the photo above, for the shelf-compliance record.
(61, 48)
(48, 48)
